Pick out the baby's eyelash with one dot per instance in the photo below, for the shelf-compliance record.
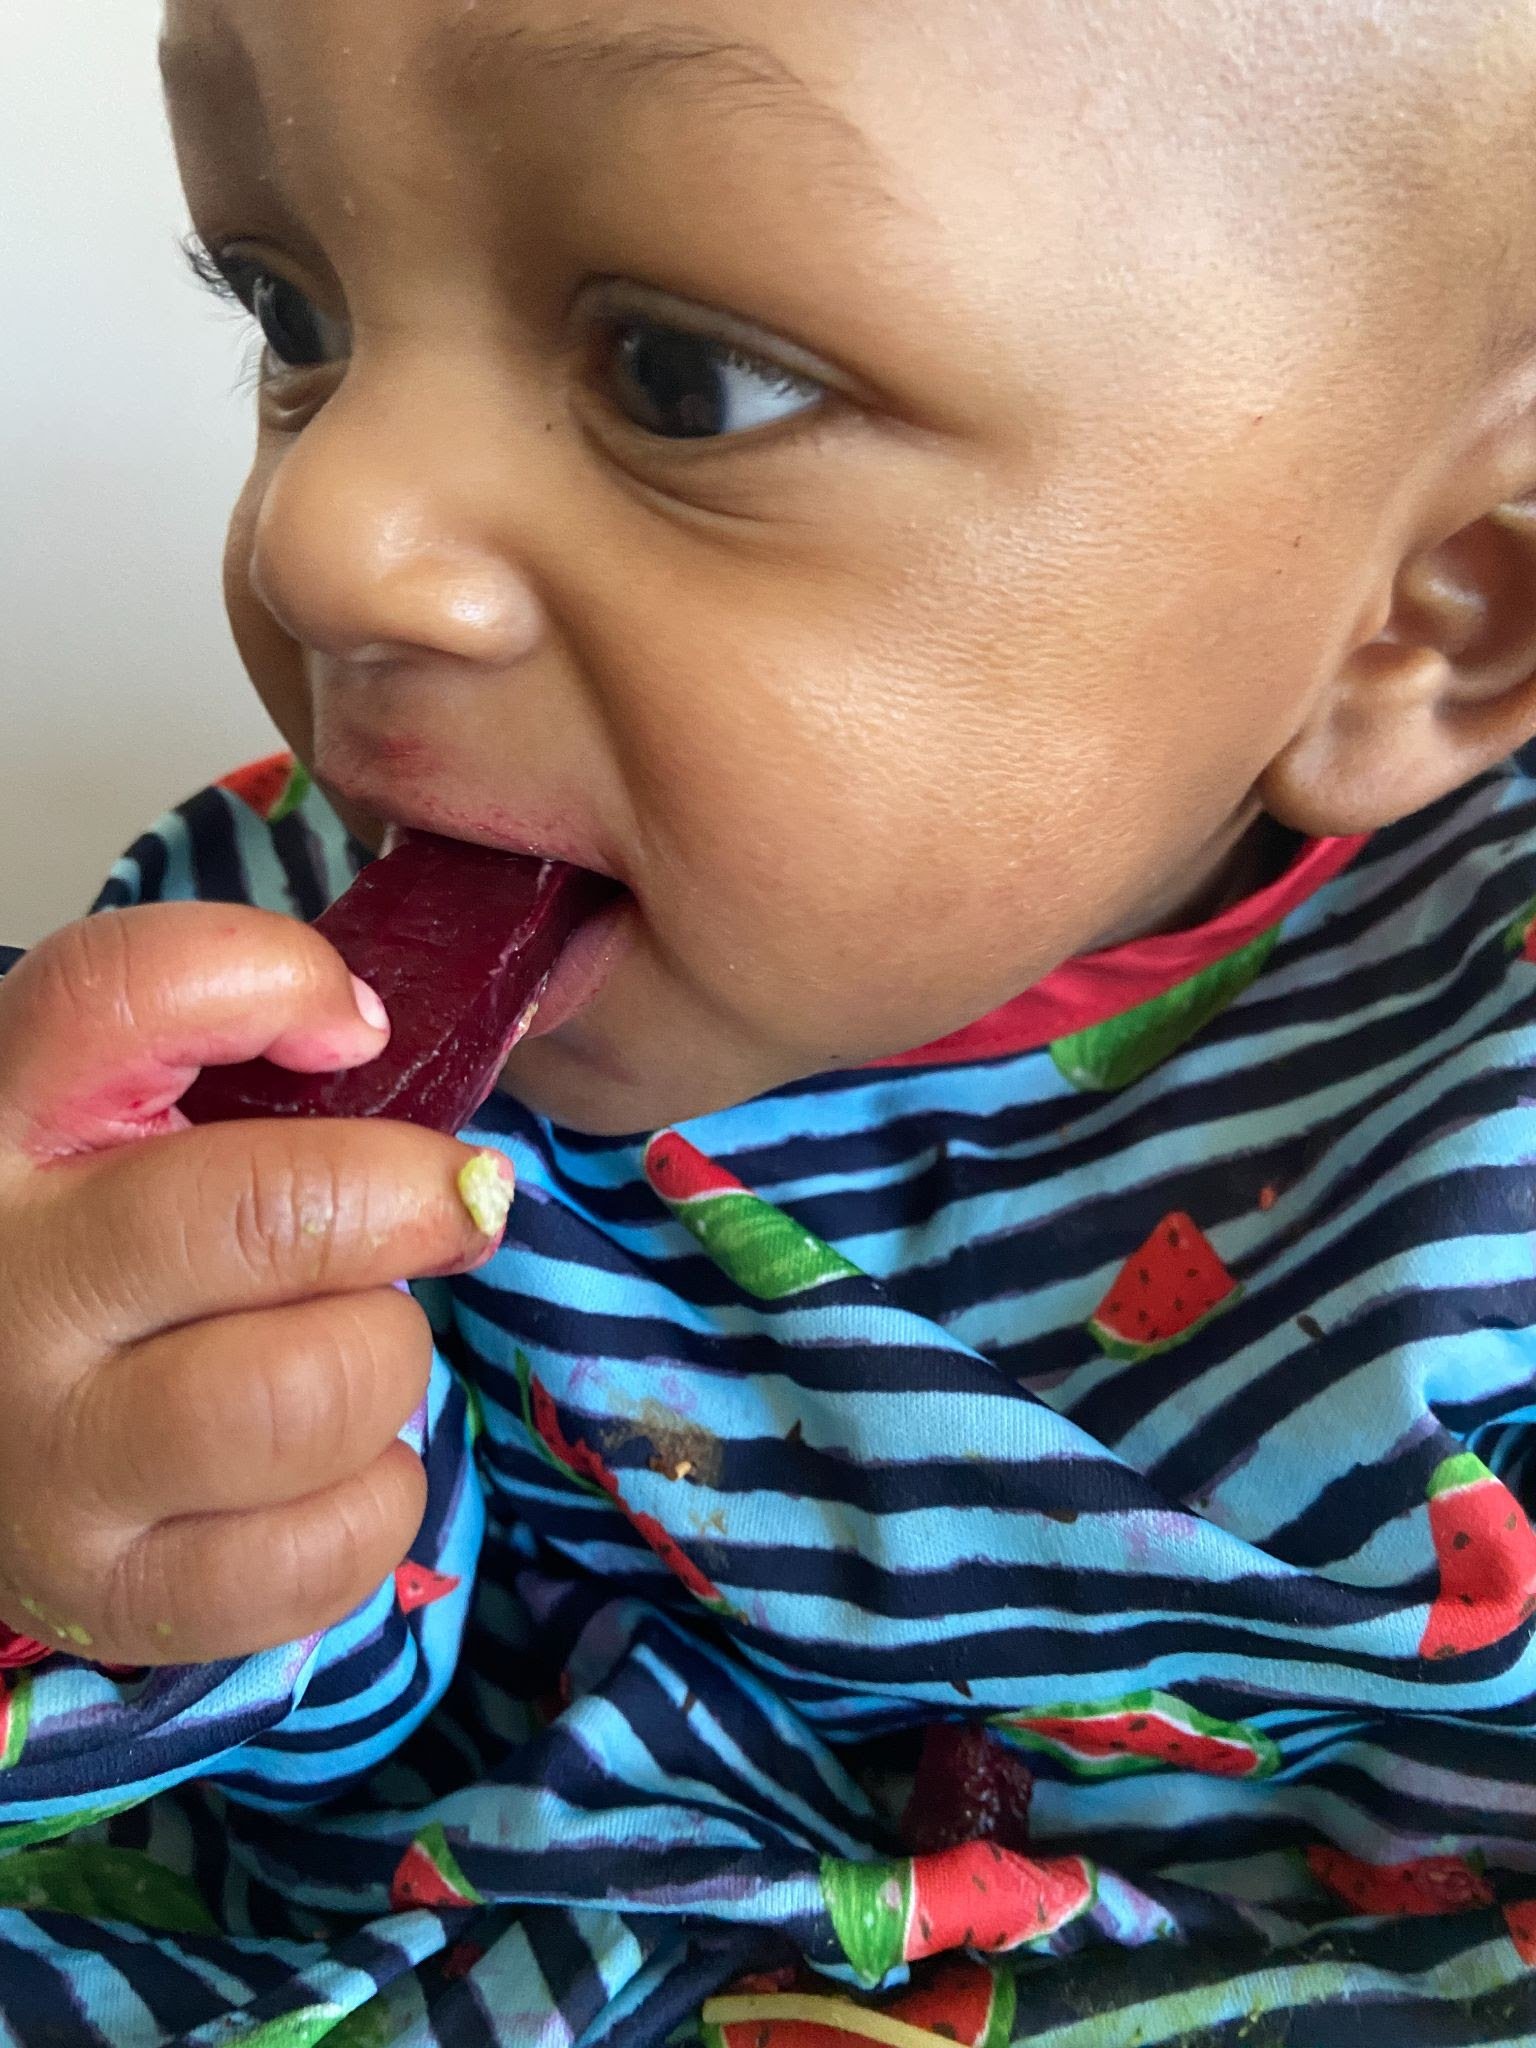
(207, 269)
(210, 274)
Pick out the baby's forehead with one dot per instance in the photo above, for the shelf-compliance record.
(1317, 131)
(902, 72)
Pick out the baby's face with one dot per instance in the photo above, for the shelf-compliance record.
(868, 475)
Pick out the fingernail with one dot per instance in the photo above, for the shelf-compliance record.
(370, 1008)
(487, 1185)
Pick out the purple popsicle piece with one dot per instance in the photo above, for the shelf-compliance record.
(459, 941)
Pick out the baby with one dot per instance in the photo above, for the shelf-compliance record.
(1010, 530)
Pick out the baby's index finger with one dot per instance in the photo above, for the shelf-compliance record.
(234, 1217)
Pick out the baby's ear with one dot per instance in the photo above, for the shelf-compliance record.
(1442, 692)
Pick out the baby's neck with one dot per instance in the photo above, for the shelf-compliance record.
(1251, 854)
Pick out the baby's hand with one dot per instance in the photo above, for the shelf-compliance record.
(203, 1360)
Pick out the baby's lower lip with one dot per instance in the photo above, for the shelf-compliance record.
(584, 967)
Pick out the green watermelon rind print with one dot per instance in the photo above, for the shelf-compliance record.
(17, 1701)
(300, 783)
(92, 1881)
(868, 1904)
(765, 1252)
(1115, 1055)
(1518, 933)
(1456, 1474)
(28, 1834)
(1005, 2007)
(1158, 1706)
(308, 2028)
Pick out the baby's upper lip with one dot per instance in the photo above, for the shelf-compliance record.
(565, 840)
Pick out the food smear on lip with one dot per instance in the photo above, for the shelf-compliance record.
(459, 941)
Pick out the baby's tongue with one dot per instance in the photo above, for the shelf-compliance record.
(459, 941)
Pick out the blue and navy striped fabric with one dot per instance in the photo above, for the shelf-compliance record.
(1219, 1593)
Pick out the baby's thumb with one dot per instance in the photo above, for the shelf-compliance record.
(105, 1025)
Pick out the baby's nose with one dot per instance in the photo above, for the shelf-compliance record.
(371, 549)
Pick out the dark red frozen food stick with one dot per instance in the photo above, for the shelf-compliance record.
(459, 941)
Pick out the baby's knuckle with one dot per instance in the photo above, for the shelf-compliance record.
(323, 1569)
(308, 1394)
(136, 1595)
(186, 1385)
(379, 1521)
(391, 1336)
(78, 975)
(289, 1211)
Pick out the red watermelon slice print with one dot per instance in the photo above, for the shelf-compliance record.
(1487, 1554)
(18, 1652)
(429, 1875)
(273, 788)
(581, 1463)
(964, 2003)
(1520, 1920)
(1146, 1731)
(1168, 1292)
(416, 1587)
(977, 1896)
(1429, 1888)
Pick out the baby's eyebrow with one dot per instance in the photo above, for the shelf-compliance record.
(720, 73)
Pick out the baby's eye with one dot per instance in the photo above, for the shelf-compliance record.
(687, 387)
(298, 334)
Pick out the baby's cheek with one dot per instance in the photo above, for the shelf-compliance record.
(272, 659)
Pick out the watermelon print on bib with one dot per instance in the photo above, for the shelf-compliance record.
(974, 1897)
(1165, 1294)
(1011, 1546)
(1147, 1731)
(969, 2004)
(1427, 1889)
(1486, 1551)
(15, 1714)
(1117, 1054)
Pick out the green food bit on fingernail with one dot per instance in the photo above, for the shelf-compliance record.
(164, 1631)
(486, 1192)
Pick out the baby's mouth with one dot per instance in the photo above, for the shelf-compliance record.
(585, 965)
(586, 959)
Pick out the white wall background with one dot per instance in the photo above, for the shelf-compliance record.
(122, 439)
